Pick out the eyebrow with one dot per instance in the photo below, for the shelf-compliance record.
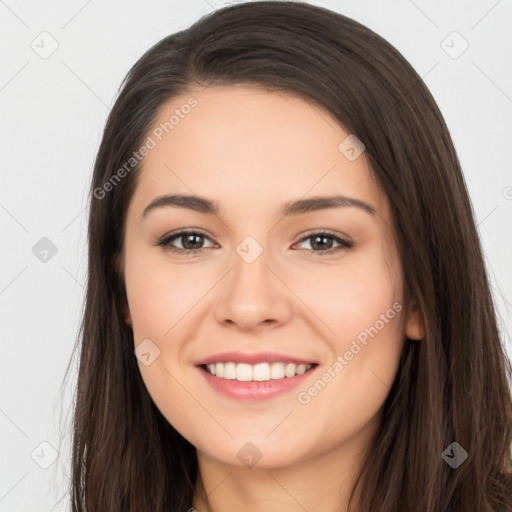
(204, 205)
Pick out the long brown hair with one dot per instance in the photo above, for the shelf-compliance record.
(451, 386)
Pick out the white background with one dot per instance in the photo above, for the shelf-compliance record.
(52, 115)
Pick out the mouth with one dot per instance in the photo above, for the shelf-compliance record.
(261, 372)
(254, 376)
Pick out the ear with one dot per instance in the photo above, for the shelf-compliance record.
(414, 323)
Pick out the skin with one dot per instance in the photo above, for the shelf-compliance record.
(250, 150)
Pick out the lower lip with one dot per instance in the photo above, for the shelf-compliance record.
(254, 390)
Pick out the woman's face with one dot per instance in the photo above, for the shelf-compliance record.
(269, 287)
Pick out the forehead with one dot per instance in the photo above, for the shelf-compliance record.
(246, 146)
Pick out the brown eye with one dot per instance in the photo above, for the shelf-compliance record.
(191, 241)
(322, 242)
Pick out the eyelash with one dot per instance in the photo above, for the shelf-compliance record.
(165, 242)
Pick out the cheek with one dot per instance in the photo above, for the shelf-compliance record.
(161, 304)
(357, 378)
(361, 304)
(159, 296)
(352, 296)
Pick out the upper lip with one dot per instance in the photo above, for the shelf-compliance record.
(258, 357)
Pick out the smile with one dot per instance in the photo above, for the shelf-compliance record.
(260, 372)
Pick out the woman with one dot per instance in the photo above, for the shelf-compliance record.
(287, 304)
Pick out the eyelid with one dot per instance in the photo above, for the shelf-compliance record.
(343, 240)
(324, 231)
(165, 240)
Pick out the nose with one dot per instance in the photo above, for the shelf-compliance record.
(252, 295)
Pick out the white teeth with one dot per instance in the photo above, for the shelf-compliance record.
(301, 368)
(244, 372)
(289, 370)
(259, 372)
(277, 371)
(230, 371)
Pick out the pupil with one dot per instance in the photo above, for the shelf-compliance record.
(318, 242)
(319, 238)
(188, 237)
